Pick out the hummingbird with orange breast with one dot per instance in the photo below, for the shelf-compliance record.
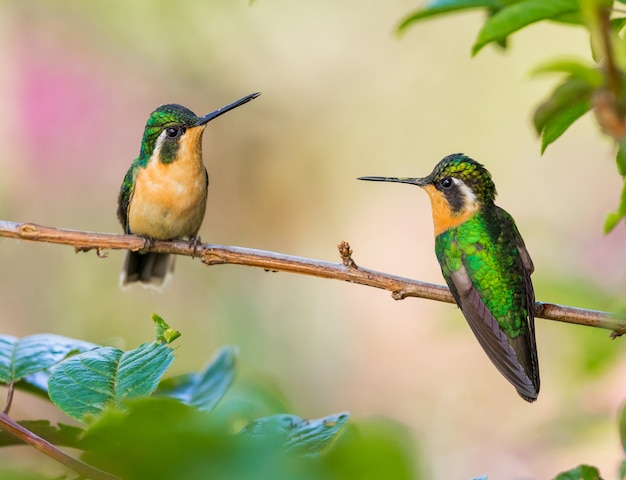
(163, 195)
(486, 265)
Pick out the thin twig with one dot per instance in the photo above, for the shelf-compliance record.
(218, 255)
(87, 471)
(9, 399)
(608, 104)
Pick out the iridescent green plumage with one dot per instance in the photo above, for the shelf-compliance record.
(485, 247)
(485, 263)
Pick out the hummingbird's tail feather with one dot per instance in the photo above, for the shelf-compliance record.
(151, 270)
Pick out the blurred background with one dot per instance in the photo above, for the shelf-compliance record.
(342, 97)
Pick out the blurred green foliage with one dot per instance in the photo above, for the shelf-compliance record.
(136, 435)
(582, 472)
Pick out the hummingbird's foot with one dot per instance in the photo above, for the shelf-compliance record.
(148, 243)
(194, 242)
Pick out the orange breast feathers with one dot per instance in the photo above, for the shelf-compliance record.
(443, 216)
(169, 200)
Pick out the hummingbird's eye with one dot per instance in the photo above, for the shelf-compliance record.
(446, 182)
(174, 132)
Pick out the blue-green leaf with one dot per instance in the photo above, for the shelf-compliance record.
(308, 437)
(35, 384)
(204, 390)
(582, 472)
(515, 16)
(20, 357)
(85, 384)
(440, 7)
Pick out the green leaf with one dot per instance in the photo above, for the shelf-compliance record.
(570, 18)
(156, 438)
(515, 16)
(20, 357)
(374, 449)
(440, 7)
(613, 218)
(568, 101)
(60, 435)
(611, 221)
(206, 389)
(85, 384)
(581, 70)
(163, 332)
(618, 23)
(249, 398)
(582, 472)
(160, 438)
(561, 121)
(620, 158)
(304, 437)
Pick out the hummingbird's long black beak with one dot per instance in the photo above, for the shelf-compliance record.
(210, 116)
(420, 182)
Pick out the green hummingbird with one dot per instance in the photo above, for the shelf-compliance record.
(486, 265)
(163, 195)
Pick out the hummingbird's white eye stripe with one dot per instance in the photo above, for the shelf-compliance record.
(469, 196)
(157, 146)
(159, 140)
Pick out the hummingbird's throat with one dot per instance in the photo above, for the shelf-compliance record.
(444, 218)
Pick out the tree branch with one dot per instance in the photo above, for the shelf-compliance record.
(347, 270)
(84, 470)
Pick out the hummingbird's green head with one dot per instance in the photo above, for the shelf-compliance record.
(172, 129)
(458, 187)
(165, 130)
(462, 181)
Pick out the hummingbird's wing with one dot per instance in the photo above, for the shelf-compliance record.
(126, 193)
(515, 358)
(532, 362)
(509, 355)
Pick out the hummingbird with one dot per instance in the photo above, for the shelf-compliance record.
(163, 195)
(486, 265)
